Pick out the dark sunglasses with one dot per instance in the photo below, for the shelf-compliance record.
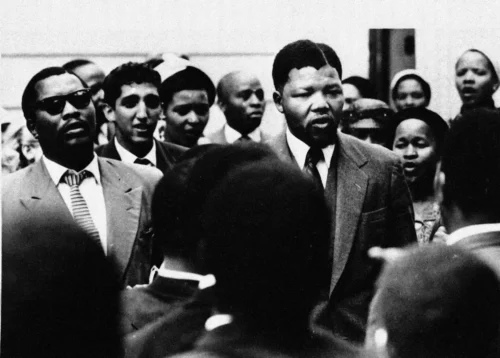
(55, 105)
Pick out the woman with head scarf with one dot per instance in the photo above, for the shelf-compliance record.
(418, 138)
(477, 79)
(410, 90)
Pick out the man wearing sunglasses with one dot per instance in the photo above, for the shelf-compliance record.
(132, 102)
(241, 98)
(109, 200)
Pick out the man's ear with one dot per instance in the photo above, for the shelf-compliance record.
(109, 112)
(278, 101)
(30, 124)
(439, 183)
(221, 105)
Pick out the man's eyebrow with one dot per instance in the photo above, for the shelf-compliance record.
(130, 96)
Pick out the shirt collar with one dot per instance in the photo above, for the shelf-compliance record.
(218, 320)
(299, 149)
(204, 281)
(233, 135)
(56, 171)
(128, 157)
(471, 230)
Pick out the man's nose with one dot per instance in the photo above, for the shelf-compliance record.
(255, 101)
(68, 110)
(142, 111)
(410, 152)
(192, 118)
(319, 103)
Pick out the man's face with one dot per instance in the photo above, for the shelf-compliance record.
(73, 127)
(312, 102)
(244, 103)
(135, 114)
(186, 115)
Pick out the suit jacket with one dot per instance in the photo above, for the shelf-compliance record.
(143, 304)
(176, 328)
(127, 192)
(486, 246)
(233, 340)
(166, 153)
(372, 207)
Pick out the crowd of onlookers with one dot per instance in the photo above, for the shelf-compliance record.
(362, 228)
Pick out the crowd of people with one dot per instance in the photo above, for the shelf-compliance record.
(359, 230)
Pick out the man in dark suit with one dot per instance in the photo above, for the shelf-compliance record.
(132, 103)
(241, 98)
(266, 227)
(110, 200)
(363, 184)
(467, 184)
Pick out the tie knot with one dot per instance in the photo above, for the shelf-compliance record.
(143, 161)
(244, 138)
(73, 178)
(314, 155)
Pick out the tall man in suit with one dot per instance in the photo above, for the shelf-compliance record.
(363, 183)
(131, 94)
(110, 200)
(241, 99)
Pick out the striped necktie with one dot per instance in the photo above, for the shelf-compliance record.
(314, 155)
(81, 212)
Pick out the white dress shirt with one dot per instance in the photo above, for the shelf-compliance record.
(91, 190)
(128, 157)
(299, 150)
(232, 135)
(471, 230)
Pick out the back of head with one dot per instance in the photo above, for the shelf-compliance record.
(126, 74)
(436, 302)
(266, 229)
(471, 163)
(299, 54)
(60, 296)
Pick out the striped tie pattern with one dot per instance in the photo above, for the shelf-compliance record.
(81, 212)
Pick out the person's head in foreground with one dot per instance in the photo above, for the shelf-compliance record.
(476, 78)
(467, 182)
(307, 77)
(410, 90)
(60, 296)
(267, 226)
(435, 301)
(369, 120)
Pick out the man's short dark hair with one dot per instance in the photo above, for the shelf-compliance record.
(267, 229)
(299, 54)
(191, 78)
(126, 74)
(437, 301)
(471, 162)
(180, 194)
(74, 64)
(30, 93)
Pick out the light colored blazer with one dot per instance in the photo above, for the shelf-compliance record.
(128, 191)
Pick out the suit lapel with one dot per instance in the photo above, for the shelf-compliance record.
(123, 209)
(42, 194)
(280, 146)
(352, 183)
